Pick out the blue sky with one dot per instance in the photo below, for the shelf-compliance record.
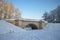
(34, 9)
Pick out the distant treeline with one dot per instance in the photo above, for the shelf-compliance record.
(52, 16)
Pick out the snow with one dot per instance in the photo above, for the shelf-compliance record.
(50, 32)
(53, 26)
(6, 27)
(28, 28)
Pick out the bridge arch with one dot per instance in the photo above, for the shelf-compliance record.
(32, 26)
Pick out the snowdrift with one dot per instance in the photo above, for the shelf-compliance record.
(6, 27)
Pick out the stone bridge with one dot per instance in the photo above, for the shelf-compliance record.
(23, 23)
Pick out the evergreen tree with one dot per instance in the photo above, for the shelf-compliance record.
(45, 16)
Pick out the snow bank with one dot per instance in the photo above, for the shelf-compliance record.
(6, 27)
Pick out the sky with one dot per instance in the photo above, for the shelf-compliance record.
(34, 9)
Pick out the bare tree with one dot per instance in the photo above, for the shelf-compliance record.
(7, 10)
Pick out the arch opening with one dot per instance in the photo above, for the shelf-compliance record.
(31, 27)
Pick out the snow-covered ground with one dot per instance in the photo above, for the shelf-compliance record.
(11, 32)
(6, 27)
(53, 26)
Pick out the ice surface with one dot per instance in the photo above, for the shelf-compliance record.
(50, 32)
